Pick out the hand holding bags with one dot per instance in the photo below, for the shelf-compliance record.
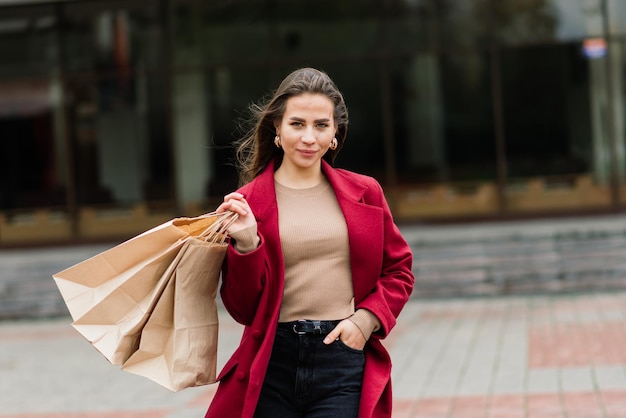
(162, 283)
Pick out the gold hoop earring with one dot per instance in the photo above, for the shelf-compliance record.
(333, 144)
(277, 141)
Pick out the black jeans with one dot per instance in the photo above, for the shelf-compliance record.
(309, 379)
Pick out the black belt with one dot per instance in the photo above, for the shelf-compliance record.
(308, 326)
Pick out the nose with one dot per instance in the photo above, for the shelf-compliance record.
(308, 137)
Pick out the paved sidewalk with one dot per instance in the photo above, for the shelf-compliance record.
(526, 357)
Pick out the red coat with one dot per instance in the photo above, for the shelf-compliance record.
(252, 288)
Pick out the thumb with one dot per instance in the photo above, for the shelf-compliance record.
(332, 336)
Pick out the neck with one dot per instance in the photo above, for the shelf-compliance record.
(298, 179)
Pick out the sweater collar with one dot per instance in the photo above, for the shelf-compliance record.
(345, 186)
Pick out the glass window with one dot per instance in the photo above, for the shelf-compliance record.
(546, 108)
(468, 116)
(430, 24)
(577, 19)
(412, 25)
(120, 140)
(617, 16)
(230, 91)
(116, 36)
(523, 22)
(443, 118)
(617, 95)
(555, 129)
(235, 31)
(31, 120)
(29, 153)
(461, 24)
(185, 19)
(28, 44)
(116, 103)
(336, 29)
(444, 135)
(364, 149)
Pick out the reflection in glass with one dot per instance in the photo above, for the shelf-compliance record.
(444, 125)
(524, 22)
(344, 28)
(229, 92)
(31, 143)
(28, 42)
(617, 17)
(28, 165)
(364, 149)
(236, 30)
(557, 146)
(546, 108)
(412, 25)
(112, 36)
(577, 19)
(120, 146)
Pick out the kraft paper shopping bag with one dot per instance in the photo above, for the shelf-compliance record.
(178, 345)
(111, 295)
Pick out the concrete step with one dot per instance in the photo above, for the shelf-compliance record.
(27, 289)
(540, 260)
(456, 260)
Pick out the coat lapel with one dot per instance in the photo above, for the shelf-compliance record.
(262, 194)
(365, 229)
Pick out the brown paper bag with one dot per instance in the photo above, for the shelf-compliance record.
(178, 345)
(113, 325)
(111, 295)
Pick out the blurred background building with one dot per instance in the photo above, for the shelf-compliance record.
(119, 115)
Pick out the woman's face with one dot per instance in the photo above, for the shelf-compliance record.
(306, 130)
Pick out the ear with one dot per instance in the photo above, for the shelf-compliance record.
(277, 126)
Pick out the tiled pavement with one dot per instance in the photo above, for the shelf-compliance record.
(513, 357)
(496, 357)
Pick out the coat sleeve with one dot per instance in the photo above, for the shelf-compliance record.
(395, 282)
(243, 279)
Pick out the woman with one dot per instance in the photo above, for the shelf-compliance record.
(316, 271)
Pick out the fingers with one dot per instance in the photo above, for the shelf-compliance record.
(349, 333)
(333, 335)
(234, 202)
(234, 195)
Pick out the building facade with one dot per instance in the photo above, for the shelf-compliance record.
(116, 116)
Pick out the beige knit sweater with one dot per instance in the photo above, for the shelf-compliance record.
(314, 240)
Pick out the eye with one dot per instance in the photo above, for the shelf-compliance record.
(296, 124)
(322, 125)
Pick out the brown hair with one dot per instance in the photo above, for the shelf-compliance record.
(256, 149)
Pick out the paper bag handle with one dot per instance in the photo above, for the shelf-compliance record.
(216, 232)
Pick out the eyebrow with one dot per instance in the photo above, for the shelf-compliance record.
(296, 118)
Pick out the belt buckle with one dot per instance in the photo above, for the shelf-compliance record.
(295, 328)
(317, 327)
